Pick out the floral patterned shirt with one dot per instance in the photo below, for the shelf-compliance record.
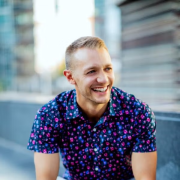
(95, 151)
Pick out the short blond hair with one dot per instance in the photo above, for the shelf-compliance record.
(82, 42)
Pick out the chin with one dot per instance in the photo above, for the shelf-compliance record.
(102, 101)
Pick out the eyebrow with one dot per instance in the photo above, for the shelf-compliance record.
(95, 67)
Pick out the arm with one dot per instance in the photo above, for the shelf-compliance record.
(144, 165)
(46, 166)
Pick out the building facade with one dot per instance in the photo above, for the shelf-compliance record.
(150, 49)
(16, 43)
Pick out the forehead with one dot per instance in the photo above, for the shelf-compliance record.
(91, 57)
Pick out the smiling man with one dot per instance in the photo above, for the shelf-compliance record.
(101, 131)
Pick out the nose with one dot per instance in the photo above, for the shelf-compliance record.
(102, 78)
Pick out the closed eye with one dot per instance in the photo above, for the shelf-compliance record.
(90, 72)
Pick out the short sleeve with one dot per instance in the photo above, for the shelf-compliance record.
(44, 137)
(145, 130)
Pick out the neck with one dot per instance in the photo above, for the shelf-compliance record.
(92, 110)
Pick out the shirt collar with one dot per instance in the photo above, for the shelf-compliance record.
(114, 104)
(73, 110)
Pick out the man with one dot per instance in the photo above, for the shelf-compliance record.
(101, 131)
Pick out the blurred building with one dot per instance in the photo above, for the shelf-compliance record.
(16, 43)
(6, 44)
(150, 49)
(108, 28)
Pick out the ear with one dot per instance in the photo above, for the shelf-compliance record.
(69, 77)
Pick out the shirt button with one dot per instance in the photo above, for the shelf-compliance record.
(94, 129)
(95, 149)
(96, 168)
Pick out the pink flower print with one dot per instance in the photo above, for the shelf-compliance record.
(88, 167)
(40, 136)
(56, 119)
(71, 139)
(61, 125)
(140, 145)
(120, 113)
(114, 105)
(126, 112)
(42, 118)
(123, 144)
(148, 120)
(70, 114)
(48, 135)
(76, 147)
(72, 163)
(68, 157)
(142, 116)
(40, 128)
(114, 133)
(107, 143)
(129, 137)
(44, 108)
(110, 165)
(44, 150)
(77, 170)
(121, 118)
(111, 148)
(105, 154)
(72, 107)
(33, 141)
(87, 145)
(83, 132)
(121, 97)
(125, 131)
(84, 156)
(132, 120)
(124, 105)
(148, 141)
(45, 127)
(32, 134)
(40, 142)
(114, 169)
(104, 130)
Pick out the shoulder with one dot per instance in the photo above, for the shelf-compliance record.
(131, 100)
(57, 104)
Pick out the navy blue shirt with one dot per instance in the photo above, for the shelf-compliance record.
(95, 151)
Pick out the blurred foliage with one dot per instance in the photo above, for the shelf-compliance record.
(60, 69)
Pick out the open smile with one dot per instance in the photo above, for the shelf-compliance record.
(100, 89)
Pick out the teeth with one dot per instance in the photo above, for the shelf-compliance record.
(100, 89)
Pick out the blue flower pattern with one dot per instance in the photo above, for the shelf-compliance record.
(100, 151)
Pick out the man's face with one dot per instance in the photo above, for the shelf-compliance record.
(93, 75)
